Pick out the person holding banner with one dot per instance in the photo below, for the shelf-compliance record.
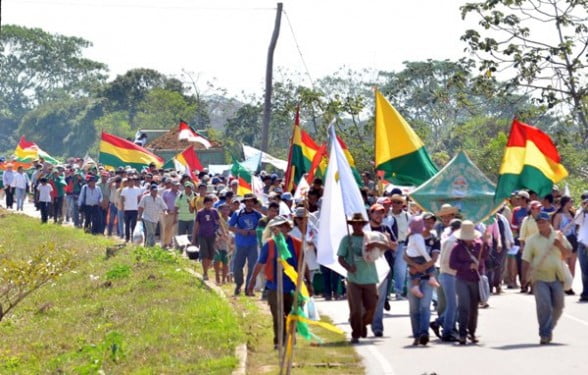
(362, 278)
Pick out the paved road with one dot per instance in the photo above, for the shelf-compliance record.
(509, 341)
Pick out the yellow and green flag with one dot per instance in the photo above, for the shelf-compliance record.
(400, 153)
(118, 152)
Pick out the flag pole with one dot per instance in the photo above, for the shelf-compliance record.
(280, 302)
(291, 329)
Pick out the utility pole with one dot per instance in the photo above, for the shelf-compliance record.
(267, 103)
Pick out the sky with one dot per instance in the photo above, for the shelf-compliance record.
(226, 41)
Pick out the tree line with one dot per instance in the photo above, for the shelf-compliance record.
(55, 96)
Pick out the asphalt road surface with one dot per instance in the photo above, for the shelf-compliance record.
(508, 333)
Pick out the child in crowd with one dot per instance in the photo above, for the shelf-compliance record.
(45, 199)
(417, 252)
(223, 245)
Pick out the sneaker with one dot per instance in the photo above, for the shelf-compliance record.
(544, 341)
(570, 292)
(462, 340)
(449, 338)
(237, 291)
(415, 342)
(378, 334)
(583, 299)
(355, 340)
(435, 327)
(473, 338)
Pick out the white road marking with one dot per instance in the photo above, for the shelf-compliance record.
(386, 366)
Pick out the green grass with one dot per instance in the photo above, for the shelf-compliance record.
(334, 356)
(138, 312)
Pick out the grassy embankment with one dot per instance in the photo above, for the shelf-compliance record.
(139, 312)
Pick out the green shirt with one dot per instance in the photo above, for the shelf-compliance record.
(535, 249)
(59, 182)
(183, 206)
(350, 248)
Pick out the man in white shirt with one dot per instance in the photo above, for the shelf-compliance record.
(130, 196)
(402, 218)
(7, 178)
(150, 210)
(20, 184)
(581, 220)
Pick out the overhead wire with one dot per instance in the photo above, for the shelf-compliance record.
(307, 71)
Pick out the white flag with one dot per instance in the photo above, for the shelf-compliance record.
(249, 151)
(341, 198)
(301, 189)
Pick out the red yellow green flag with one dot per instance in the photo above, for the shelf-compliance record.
(186, 162)
(302, 152)
(244, 177)
(26, 152)
(530, 161)
(118, 152)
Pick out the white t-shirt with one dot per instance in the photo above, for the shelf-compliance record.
(131, 195)
(45, 192)
(416, 247)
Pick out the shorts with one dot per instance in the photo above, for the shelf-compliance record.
(221, 256)
(206, 247)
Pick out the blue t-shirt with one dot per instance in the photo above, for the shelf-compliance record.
(289, 286)
(245, 220)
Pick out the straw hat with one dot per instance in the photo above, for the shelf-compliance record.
(397, 198)
(447, 209)
(277, 221)
(467, 232)
(356, 218)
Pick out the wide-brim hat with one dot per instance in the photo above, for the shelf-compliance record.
(278, 221)
(446, 209)
(249, 197)
(467, 232)
(357, 218)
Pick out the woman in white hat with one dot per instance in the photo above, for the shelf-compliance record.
(467, 259)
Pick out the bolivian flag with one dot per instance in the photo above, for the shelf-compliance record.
(302, 152)
(530, 161)
(26, 152)
(118, 152)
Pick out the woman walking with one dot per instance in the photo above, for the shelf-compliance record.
(563, 221)
(468, 258)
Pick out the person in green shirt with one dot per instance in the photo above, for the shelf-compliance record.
(185, 215)
(542, 259)
(362, 277)
(58, 182)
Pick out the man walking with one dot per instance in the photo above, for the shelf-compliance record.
(90, 199)
(20, 184)
(7, 178)
(150, 210)
(542, 257)
(362, 278)
(581, 220)
(244, 223)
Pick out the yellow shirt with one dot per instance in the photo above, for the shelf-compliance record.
(528, 228)
(536, 247)
(198, 203)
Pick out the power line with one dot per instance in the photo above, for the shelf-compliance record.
(299, 50)
(140, 6)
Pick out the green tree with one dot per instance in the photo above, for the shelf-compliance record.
(539, 44)
(162, 109)
(37, 67)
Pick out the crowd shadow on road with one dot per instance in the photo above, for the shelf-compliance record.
(527, 346)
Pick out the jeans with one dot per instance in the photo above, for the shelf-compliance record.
(149, 229)
(121, 223)
(468, 298)
(399, 270)
(583, 258)
(331, 281)
(447, 318)
(9, 191)
(73, 209)
(185, 227)
(420, 309)
(377, 322)
(44, 207)
(242, 254)
(21, 194)
(549, 297)
(57, 209)
(130, 223)
(112, 216)
(93, 218)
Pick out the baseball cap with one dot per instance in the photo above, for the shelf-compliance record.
(153, 187)
(543, 216)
